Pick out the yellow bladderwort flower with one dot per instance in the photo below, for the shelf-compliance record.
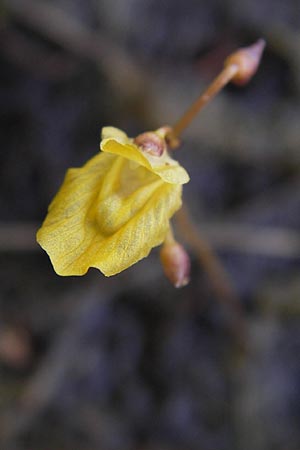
(111, 212)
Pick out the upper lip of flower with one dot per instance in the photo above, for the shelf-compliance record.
(117, 142)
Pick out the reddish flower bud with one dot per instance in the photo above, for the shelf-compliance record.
(151, 143)
(176, 263)
(247, 59)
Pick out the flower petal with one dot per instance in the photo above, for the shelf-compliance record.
(107, 214)
(127, 150)
(114, 133)
(164, 166)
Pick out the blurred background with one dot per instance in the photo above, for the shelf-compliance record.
(129, 362)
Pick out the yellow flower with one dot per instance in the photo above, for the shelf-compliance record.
(111, 212)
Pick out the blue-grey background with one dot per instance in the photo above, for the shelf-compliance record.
(130, 363)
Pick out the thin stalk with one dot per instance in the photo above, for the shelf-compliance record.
(239, 68)
(218, 83)
(219, 278)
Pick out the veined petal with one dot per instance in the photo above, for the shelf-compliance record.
(107, 214)
(170, 171)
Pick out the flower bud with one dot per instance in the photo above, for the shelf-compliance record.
(151, 143)
(176, 263)
(247, 59)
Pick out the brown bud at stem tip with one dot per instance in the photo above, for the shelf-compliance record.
(151, 143)
(175, 262)
(247, 59)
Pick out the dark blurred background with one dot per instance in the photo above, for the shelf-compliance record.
(129, 362)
